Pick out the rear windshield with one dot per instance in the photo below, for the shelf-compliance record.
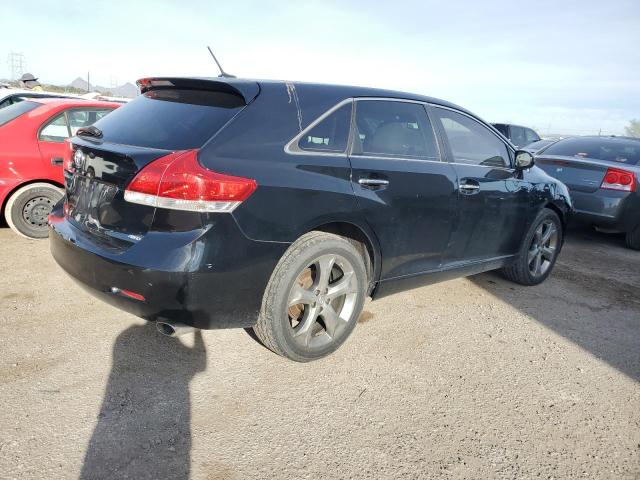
(610, 149)
(15, 110)
(170, 119)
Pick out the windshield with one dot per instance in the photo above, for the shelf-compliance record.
(610, 149)
(170, 119)
(14, 111)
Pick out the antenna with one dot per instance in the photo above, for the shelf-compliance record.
(222, 72)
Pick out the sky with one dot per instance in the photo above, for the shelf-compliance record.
(563, 66)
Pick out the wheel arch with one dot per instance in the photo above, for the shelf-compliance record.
(369, 247)
(24, 184)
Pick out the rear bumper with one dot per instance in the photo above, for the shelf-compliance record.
(210, 278)
(608, 209)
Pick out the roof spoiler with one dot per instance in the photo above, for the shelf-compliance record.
(246, 89)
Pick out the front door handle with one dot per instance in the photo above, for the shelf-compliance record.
(469, 187)
(56, 161)
(373, 182)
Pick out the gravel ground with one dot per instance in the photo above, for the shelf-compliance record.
(472, 378)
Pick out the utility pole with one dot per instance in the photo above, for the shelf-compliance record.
(16, 64)
(88, 83)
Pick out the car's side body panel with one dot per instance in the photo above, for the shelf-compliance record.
(212, 273)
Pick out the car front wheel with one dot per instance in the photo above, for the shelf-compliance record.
(314, 297)
(539, 251)
(28, 208)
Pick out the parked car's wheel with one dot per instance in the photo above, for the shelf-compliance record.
(27, 209)
(539, 250)
(313, 298)
(632, 239)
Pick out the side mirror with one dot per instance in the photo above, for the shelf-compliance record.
(524, 160)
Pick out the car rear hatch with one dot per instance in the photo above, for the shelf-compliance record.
(171, 115)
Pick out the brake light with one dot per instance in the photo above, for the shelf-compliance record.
(67, 156)
(618, 179)
(177, 181)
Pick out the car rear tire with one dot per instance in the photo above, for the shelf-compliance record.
(632, 239)
(314, 297)
(27, 209)
(539, 250)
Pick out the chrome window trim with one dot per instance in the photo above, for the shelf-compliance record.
(292, 147)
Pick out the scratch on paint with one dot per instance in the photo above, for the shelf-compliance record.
(293, 96)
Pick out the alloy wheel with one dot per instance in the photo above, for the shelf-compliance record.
(543, 248)
(321, 301)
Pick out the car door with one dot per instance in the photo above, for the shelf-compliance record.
(493, 207)
(51, 137)
(405, 191)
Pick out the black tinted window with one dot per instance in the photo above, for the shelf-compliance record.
(171, 119)
(331, 134)
(502, 128)
(599, 148)
(13, 111)
(394, 129)
(472, 143)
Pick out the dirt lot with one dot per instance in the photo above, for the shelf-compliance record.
(473, 378)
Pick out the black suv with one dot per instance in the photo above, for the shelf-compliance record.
(281, 206)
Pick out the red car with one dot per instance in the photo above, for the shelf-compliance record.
(32, 145)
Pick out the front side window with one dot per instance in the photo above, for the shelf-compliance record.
(398, 129)
(56, 130)
(331, 134)
(470, 142)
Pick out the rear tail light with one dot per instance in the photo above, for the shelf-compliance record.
(618, 179)
(177, 181)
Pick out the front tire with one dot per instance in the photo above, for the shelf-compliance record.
(539, 250)
(313, 299)
(27, 209)
(632, 239)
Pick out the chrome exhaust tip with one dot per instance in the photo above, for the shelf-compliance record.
(173, 329)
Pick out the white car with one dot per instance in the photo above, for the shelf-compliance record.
(9, 96)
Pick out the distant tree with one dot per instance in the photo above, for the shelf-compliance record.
(633, 130)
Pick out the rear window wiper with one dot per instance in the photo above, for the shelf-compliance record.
(90, 131)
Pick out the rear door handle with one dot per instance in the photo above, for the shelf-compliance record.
(56, 161)
(469, 187)
(373, 182)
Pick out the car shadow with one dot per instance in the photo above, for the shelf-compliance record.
(592, 297)
(143, 429)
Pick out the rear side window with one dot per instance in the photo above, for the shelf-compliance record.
(531, 136)
(13, 111)
(397, 129)
(170, 119)
(598, 148)
(330, 134)
(472, 143)
(81, 118)
(518, 136)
